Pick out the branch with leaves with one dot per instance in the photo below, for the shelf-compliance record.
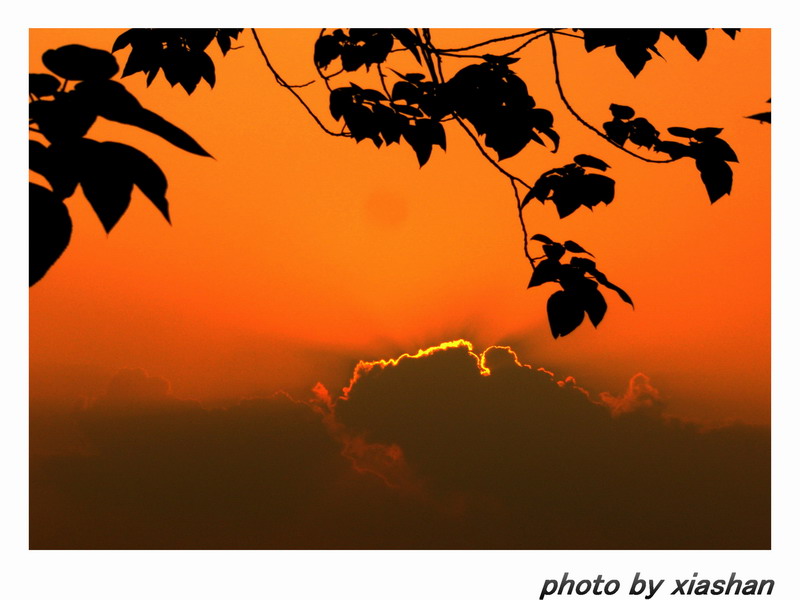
(486, 99)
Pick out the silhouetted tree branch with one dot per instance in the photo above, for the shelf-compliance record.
(486, 98)
(283, 83)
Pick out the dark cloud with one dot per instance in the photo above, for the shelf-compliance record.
(448, 448)
(536, 457)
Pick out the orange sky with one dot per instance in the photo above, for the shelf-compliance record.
(293, 255)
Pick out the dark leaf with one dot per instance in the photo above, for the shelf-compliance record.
(124, 39)
(764, 117)
(564, 312)
(55, 163)
(694, 40)
(105, 182)
(717, 177)
(150, 121)
(643, 133)
(79, 63)
(65, 118)
(617, 131)
(528, 197)
(586, 160)
(633, 56)
(598, 188)
(567, 201)
(619, 111)
(546, 271)
(50, 229)
(601, 278)
(731, 33)
(554, 137)
(716, 148)
(540, 237)
(409, 41)
(684, 132)
(573, 247)
(326, 50)
(144, 173)
(421, 140)
(499, 60)
(206, 67)
(583, 265)
(112, 101)
(42, 84)
(553, 251)
(507, 140)
(706, 133)
(674, 149)
(594, 304)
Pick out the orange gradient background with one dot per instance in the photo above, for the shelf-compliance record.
(293, 254)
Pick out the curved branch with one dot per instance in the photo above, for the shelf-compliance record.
(582, 121)
(531, 260)
(493, 41)
(283, 83)
(485, 154)
(528, 41)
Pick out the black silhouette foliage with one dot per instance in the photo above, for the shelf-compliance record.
(762, 117)
(179, 53)
(710, 153)
(635, 47)
(497, 103)
(49, 228)
(106, 171)
(361, 47)
(571, 186)
(485, 96)
(579, 279)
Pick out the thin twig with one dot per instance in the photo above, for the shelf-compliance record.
(528, 41)
(492, 41)
(493, 162)
(283, 83)
(454, 55)
(583, 121)
(567, 34)
(522, 224)
(425, 48)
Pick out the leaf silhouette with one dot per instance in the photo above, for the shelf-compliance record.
(573, 247)
(764, 117)
(540, 237)
(42, 84)
(564, 313)
(586, 160)
(65, 118)
(684, 132)
(717, 177)
(55, 163)
(618, 111)
(80, 63)
(179, 53)
(112, 101)
(595, 305)
(109, 170)
(546, 271)
(50, 229)
(694, 40)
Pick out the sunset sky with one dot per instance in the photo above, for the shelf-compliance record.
(294, 257)
(293, 254)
